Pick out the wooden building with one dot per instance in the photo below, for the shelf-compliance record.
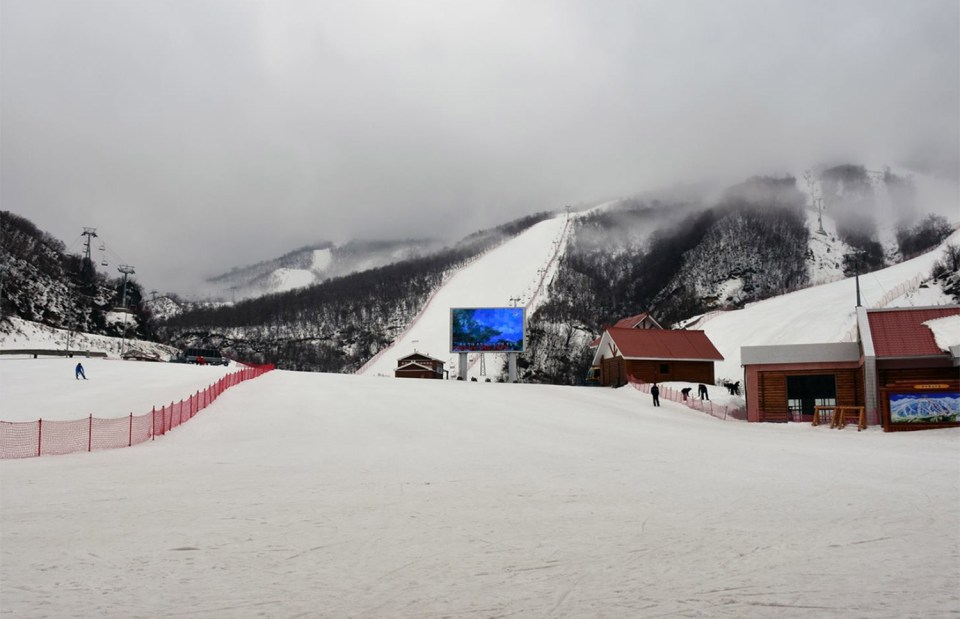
(418, 365)
(896, 370)
(785, 383)
(655, 355)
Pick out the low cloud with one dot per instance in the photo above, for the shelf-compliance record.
(200, 135)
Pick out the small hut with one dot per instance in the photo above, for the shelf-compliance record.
(418, 365)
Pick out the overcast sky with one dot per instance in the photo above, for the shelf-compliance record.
(198, 135)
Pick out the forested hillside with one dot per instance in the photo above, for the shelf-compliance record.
(42, 283)
(337, 325)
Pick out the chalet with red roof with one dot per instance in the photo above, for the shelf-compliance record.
(419, 365)
(902, 371)
(655, 355)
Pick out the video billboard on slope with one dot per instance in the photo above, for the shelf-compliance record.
(487, 329)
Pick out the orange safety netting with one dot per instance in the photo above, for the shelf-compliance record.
(38, 438)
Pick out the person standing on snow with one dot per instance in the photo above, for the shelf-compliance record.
(78, 372)
(655, 392)
(702, 392)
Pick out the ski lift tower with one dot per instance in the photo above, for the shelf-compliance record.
(126, 270)
(816, 199)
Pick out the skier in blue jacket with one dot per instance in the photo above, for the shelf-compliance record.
(79, 372)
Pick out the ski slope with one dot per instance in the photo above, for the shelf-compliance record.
(515, 273)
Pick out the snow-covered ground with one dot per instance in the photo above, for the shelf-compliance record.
(113, 388)
(17, 334)
(301, 494)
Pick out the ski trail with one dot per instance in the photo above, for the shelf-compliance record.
(516, 273)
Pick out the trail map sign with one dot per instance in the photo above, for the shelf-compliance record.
(487, 329)
(930, 407)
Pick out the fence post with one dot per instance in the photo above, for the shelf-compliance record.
(90, 434)
(153, 426)
(39, 435)
(130, 441)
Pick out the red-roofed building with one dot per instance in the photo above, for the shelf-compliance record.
(655, 355)
(901, 333)
(896, 370)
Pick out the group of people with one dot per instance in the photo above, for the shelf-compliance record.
(701, 393)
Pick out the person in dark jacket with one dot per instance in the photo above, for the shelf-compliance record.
(655, 392)
(78, 372)
(702, 392)
(686, 393)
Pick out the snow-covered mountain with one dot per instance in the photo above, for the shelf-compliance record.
(574, 272)
(313, 264)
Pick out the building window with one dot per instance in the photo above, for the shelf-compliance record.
(664, 368)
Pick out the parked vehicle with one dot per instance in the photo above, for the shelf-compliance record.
(593, 377)
(201, 356)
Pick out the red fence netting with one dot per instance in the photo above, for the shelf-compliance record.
(38, 438)
(705, 406)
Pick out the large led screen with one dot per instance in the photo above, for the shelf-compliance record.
(936, 407)
(487, 329)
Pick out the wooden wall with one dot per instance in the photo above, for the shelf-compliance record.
(613, 372)
(888, 376)
(772, 390)
(688, 371)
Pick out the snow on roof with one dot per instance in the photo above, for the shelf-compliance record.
(946, 331)
(904, 332)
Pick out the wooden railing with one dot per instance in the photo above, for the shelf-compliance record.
(839, 415)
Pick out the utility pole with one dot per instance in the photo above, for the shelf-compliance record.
(126, 270)
(820, 216)
(856, 270)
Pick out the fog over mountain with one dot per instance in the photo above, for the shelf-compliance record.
(202, 135)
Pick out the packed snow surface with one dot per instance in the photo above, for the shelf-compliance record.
(301, 494)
